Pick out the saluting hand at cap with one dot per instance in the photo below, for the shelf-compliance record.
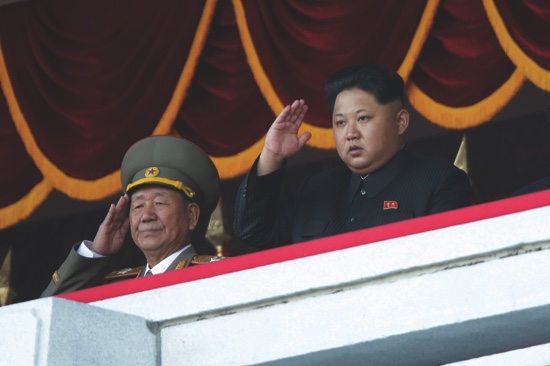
(282, 140)
(112, 231)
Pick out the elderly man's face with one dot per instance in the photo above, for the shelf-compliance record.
(161, 221)
(367, 134)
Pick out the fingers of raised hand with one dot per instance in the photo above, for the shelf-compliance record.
(297, 111)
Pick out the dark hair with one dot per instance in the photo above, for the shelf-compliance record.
(386, 85)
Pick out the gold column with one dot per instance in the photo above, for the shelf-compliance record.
(216, 233)
(6, 294)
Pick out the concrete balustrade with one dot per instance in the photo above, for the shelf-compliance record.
(471, 294)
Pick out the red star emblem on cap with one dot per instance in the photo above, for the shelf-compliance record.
(152, 172)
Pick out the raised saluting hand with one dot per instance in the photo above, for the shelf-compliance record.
(282, 140)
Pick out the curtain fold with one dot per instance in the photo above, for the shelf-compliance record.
(101, 75)
(522, 31)
(81, 82)
(455, 82)
(23, 186)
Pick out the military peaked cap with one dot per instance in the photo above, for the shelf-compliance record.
(176, 163)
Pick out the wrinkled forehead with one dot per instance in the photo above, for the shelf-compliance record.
(152, 191)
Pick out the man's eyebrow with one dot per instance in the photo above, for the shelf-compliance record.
(357, 111)
(137, 196)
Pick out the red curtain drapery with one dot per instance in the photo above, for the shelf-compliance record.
(81, 82)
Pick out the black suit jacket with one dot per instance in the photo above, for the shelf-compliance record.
(337, 201)
(539, 185)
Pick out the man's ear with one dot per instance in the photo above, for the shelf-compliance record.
(194, 211)
(402, 121)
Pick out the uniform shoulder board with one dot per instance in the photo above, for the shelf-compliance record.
(205, 259)
(124, 273)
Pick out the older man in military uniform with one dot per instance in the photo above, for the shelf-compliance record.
(170, 189)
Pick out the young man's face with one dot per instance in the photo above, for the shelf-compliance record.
(367, 134)
(161, 221)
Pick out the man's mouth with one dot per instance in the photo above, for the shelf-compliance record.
(354, 150)
(148, 230)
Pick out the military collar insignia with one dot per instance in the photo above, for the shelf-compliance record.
(181, 264)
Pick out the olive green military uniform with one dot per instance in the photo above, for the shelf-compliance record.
(78, 272)
(157, 160)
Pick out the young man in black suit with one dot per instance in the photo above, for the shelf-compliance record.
(381, 182)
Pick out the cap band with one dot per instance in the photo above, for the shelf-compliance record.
(174, 183)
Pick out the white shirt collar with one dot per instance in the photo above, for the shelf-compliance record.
(163, 265)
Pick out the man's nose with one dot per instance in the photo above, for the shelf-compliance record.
(148, 213)
(351, 132)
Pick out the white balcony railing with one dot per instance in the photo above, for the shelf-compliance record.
(468, 287)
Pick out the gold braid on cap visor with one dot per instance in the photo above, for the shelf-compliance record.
(174, 183)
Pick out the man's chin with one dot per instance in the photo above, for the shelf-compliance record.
(148, 243)
(358, 167)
